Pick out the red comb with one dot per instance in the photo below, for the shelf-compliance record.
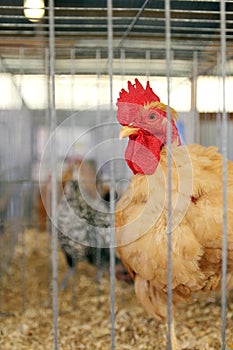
(137, 94)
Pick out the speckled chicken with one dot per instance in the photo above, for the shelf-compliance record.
(197, 207)
(84, 224)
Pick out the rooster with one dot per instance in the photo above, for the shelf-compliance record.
(196, 201)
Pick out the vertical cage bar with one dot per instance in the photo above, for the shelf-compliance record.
(98, 85)
(218, 126)
(21, 71)
(112, 183)
(224, 173)
(72, 72)
(148, 64)
(169, 201)
(195, 124)
(23, 246)
(122, 56)
(47, 199)
(98, 121)
(53, 167)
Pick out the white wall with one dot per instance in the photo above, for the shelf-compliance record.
(85, 91)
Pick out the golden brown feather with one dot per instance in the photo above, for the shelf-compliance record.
(141, 220)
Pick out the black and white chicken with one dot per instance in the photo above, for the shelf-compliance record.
(84, 228)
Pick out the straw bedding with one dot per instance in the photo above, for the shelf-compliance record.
(26, 319)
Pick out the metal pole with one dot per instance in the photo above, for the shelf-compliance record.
(132, 24)
(98, 121)
(23, 246)
(112, 187)
(122, 55)
(53, 167)
(147, 64)
(72, 72)
(169, 200)
(195, 123)
(98, 84)
(24, 260)
(47, 195)
(224, 173)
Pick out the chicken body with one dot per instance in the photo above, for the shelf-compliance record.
(83, 227)
(141, 221)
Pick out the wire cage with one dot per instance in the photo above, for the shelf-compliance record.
(60, 78)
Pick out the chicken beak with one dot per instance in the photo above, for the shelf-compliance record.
(127, 130)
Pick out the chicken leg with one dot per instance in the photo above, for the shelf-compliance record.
(174, 342)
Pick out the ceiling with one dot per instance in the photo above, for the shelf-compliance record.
(139, 37)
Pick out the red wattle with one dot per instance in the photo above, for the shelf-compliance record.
(143, 153)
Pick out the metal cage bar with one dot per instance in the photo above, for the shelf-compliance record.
(53, 168)
(169, 178)
(224, 173)
(112, 184)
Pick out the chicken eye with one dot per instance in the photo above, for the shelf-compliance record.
(152, 116)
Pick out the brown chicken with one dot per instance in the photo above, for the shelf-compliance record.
(196, 201)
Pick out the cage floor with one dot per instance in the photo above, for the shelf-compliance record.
(26, 320)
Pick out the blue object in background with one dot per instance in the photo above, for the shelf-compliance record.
(181, 130)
